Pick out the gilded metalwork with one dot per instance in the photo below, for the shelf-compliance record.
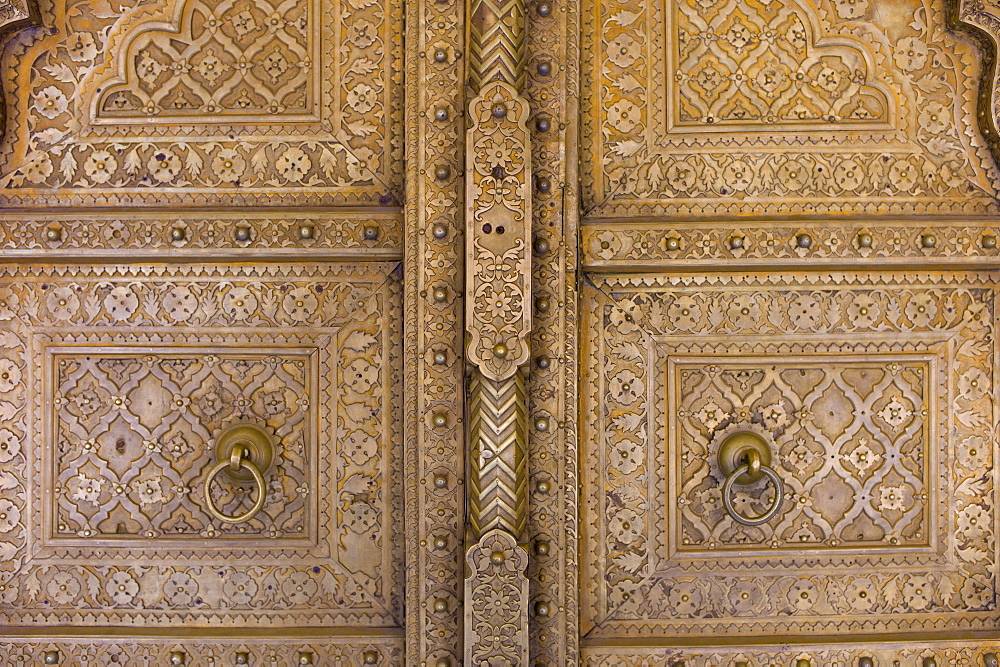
(498, 496)
(240, 463)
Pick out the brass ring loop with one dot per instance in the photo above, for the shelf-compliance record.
(779, 496)
(258, 504)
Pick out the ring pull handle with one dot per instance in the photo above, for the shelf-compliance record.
(238, 462)
(753, 467)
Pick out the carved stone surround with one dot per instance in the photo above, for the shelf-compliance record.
(905, 472)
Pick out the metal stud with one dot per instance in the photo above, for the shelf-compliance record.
(736, 242)
(53, 234)
(52, 657)
(440, 231)
(440, 542)
(306, 232)
(864, 240)
(928, 240)
(545, 68)
(990, 660)
(439, 419)
(440, 294)
(242, 658)
(543, 124)
(542, 609)
(178, 657)
(544, 9)
(370, 657)
(499, 110)
(441, 113)
(543, 362)
(440, 56)
(802, 662)
(989, 242)
(443, 662)
(542, 548)
(542, 304)
(440, 357)
(804, 240)
(442, 172)
(242, 234)
(500, 351)
(440, 605)
(177, 234)
(542, 424)
(541, 245)
(305, 657)
(543, 184)
(673, 243)
(441, 481)
(929, 661)
(543, 486)
(866, 662)
(371, 233)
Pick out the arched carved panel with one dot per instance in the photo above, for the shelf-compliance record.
(737, 107)
(190, 101)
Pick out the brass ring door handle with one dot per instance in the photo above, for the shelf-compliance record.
(753, 467)
(237, 462)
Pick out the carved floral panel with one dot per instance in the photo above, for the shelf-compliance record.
(206, 101)
(114, 384)
(875, 394)
(789, 106)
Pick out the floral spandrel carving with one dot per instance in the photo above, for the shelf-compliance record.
(496, 602)
(868, 125)
(12, 13)
(96, 113)
(137, 385)
(498, 316)
(898, 425)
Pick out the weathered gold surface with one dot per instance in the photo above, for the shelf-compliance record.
(795, 203)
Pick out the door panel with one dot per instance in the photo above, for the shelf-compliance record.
(874, 396)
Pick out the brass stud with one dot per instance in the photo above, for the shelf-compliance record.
(242, 658)
(542, 548)
(443, 662)
(442, 172)
(499, 110)
(543, 362)
(305, 657)
(990, 660)
(740, 663)
(543, 184)
(866, 662)
(440, 605)
(864, 240)
(542, 424)
(177, 234)
(440, 231)
(989, 242)
(440, 358)
(440, 542)
(441, 481)
(804, 241)
(929, 662)
(52, 657)
(178, 657)
(370, 657)
(440, 294)
(371, 233)
(802, 662)
(242, 234)
(500, 351)
(736, 242)
(545, 68)
(53, 234)
(543, 486)
(498, 557)
(543, 124)
(440, 419)
(542, 609)
(541, 245)
(544, 9)
(306, 232)
(441, 113)
(542, 304)
(928, 240)
(440, 56)
(673, 243)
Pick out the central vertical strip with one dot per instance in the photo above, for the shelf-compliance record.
(498, 322)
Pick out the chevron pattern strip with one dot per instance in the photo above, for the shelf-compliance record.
(498, 493)
(497, 43)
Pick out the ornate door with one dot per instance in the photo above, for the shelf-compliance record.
(558, 332)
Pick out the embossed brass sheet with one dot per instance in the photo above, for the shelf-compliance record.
(603, 332)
